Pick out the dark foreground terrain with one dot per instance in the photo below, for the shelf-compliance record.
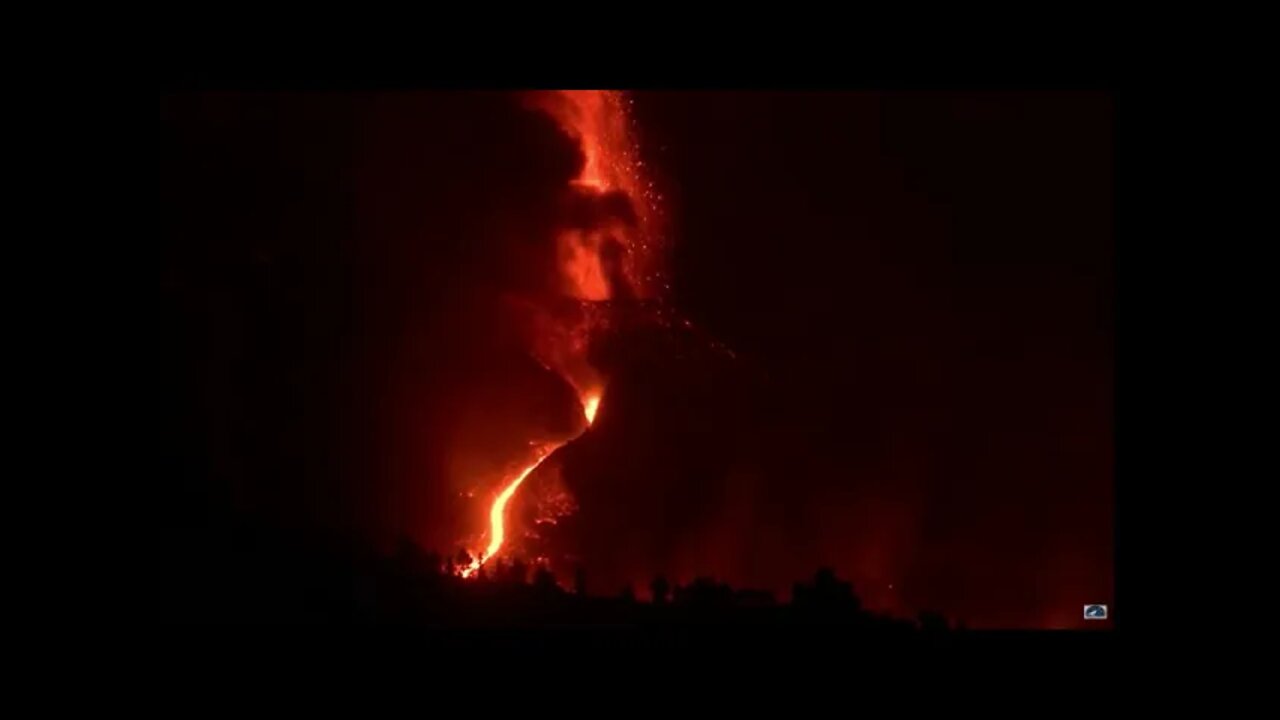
(239, 574)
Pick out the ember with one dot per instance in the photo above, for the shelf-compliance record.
(613, 257)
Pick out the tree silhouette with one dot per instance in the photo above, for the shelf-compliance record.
(932, 622)
(517, 572)
(545, 582)
(406, 586)
(463, 559)
(660, 587)
(827, 594)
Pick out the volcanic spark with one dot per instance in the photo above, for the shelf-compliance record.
(616, 258)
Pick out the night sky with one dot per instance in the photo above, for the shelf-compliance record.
(915, 291)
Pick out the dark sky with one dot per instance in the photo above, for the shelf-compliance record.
(917, 290)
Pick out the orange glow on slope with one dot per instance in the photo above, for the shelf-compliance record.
(497, 512)
(599, 121)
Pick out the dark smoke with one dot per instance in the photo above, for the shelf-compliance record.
(586, 209)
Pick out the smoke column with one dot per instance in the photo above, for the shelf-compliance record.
(607, 249)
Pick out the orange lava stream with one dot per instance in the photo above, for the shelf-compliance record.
(497, 512)
(598, 120)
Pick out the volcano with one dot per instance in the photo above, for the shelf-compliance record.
(728, 336)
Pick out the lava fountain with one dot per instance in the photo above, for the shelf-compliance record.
(616, 256)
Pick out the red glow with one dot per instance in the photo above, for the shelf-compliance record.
(498, 510)
(589, 406)
(598, 121)
(497, 513)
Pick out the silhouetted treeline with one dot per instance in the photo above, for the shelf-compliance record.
(252, 575)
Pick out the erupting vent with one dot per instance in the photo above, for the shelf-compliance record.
(615, 255)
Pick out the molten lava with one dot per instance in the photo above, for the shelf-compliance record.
(615, 256)
(497, 512)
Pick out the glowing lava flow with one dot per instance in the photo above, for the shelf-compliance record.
(616, 256)
(589, 407)
(497, 513)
